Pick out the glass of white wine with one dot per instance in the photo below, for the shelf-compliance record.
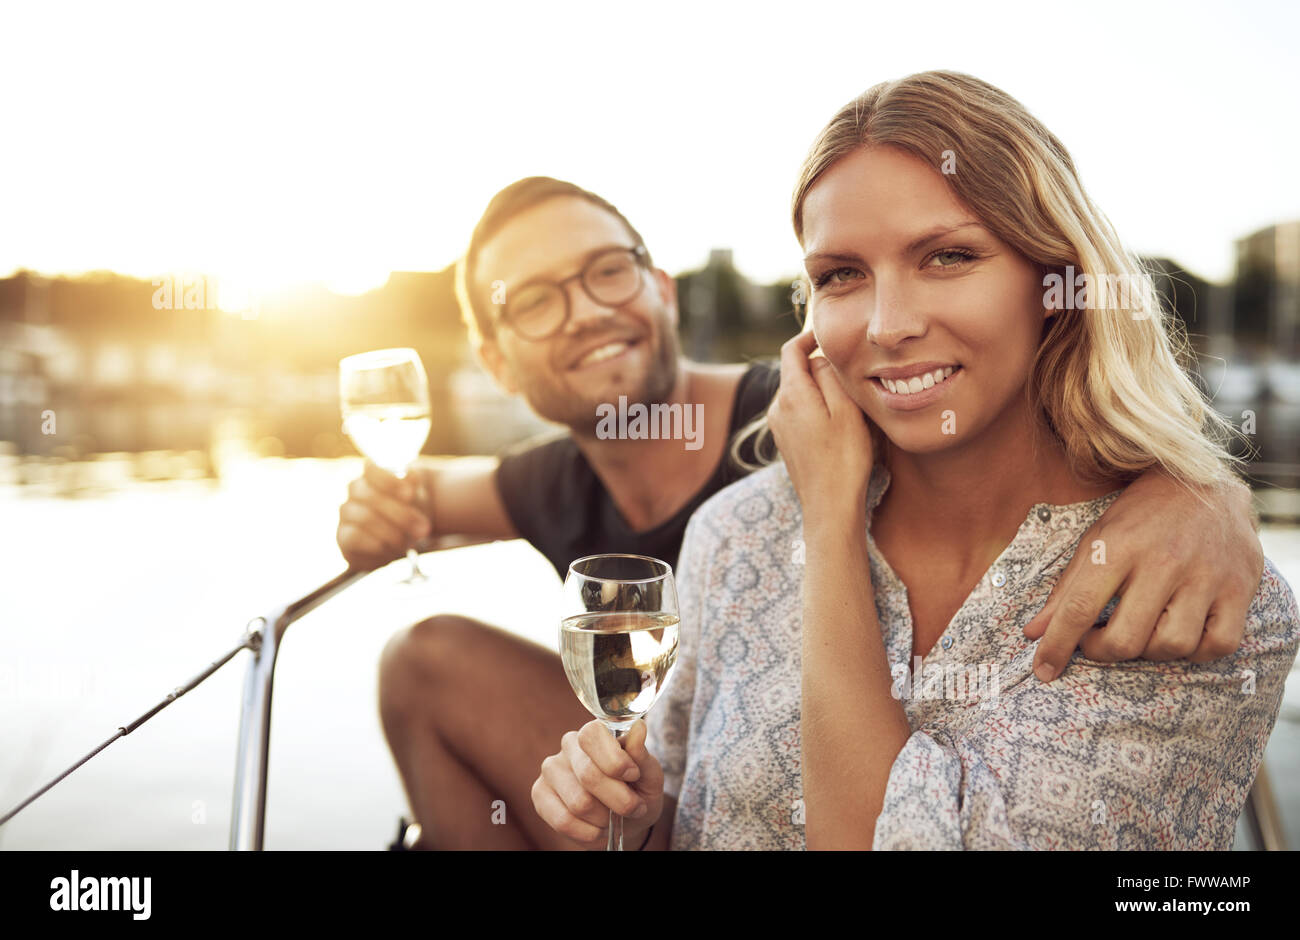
(384, 396)
(618, 640)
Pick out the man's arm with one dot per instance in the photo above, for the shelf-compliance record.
(461, 499)
(1185, 565)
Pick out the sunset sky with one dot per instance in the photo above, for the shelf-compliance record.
(275, 143)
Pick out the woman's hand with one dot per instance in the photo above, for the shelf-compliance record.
(821, 432)
(593, 775)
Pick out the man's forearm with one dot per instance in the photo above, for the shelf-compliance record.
(459, 497)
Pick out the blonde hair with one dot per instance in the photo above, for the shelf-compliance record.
(1109, 378)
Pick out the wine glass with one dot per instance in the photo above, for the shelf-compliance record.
(384, 396)
(618, 640)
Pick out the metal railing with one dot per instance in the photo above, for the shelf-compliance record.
(248, 814)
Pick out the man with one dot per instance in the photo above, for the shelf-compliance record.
(565, 307)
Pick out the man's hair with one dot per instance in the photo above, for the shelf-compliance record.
(518, 197)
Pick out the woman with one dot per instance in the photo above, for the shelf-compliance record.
(853, 670)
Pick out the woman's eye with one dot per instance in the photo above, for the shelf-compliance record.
(956, 257)
(836, 277)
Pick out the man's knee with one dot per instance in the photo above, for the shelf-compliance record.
(416, 658)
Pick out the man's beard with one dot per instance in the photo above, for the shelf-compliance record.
(554, 403)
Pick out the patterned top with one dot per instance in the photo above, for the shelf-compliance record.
(1130, 755)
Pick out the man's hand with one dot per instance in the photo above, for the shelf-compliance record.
(1185, 572)
(381, 519)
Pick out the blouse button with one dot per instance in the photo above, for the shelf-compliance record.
(1044, 513)
(946, 642)
(999, 579)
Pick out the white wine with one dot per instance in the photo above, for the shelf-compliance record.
(390, 435)
(617, 663)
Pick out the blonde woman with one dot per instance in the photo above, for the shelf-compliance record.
(854, 668)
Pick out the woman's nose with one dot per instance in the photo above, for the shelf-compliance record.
(892, 318)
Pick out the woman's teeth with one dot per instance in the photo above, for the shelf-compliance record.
(917, 383)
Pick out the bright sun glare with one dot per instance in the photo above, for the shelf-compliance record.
(274, 145)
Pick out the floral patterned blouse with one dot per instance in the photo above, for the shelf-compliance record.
(1130, 755)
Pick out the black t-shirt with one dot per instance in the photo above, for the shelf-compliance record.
(557, 502)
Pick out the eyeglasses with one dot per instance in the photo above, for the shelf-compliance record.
(540, 309)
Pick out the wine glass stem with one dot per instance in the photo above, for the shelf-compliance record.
(411, 554)
(615, 820)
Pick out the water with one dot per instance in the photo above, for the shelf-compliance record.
(109, 601)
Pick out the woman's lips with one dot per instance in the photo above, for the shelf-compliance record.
(912, 401)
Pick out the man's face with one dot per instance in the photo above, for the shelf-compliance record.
(601, 352)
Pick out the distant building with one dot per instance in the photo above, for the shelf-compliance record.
(1267, 307)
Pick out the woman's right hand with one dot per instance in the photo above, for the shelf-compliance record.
(592, 775)
(382, 518)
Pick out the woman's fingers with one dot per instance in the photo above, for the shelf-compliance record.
(553, 811)
(603, 775)
(581, 785)
(651, 779)
(578, 802)
(600, 745)
(796, 378)
(837, 400)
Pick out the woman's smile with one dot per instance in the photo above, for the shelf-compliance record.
(912, 389)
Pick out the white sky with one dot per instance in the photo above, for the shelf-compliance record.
(273, 143)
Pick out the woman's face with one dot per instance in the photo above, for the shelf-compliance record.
(930, 321)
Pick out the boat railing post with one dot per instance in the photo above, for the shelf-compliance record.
(248, 812)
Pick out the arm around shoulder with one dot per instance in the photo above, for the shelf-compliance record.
(1129, 755)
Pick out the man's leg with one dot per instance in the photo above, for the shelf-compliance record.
(470, 712)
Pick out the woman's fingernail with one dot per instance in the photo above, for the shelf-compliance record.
(1046, 672)
(631, 774)
(641, 811)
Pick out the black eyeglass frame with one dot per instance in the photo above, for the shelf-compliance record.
(639, 255)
